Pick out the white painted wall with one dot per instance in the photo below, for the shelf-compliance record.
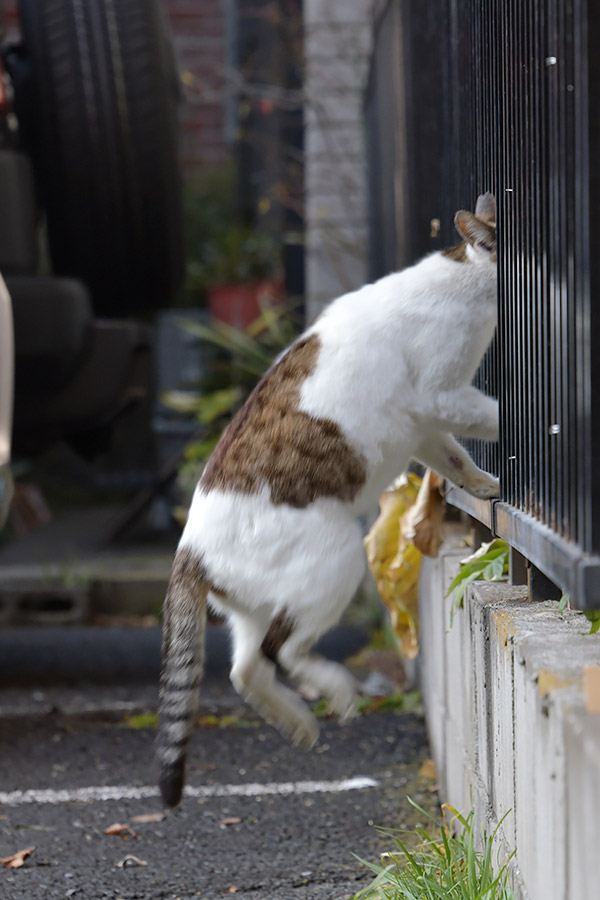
(337, 47)
(512, 725)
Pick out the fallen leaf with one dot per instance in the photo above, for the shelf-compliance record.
(427, 770)
(422, 523)
(396, 562)
(130, 860)
(226, 721)
(17, 859)
(121, 830)
(148, 817)
(232, 820)
(143, 720)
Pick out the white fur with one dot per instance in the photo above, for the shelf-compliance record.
(397, 360)
(266, 557)
(394, 371)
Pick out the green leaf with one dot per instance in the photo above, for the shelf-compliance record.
(477, 566)
(458, 593)
(593, 616)
(143, 720)
(197, 451)
(213, 406)
(562, 603)
(249, 355)
(495, 570)
(490, 562)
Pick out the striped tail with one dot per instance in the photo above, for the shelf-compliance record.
(184, 622)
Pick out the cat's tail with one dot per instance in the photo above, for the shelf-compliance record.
(184, 625)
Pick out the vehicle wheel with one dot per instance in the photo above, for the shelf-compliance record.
(103, 133)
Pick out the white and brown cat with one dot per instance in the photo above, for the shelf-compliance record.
(272, 540)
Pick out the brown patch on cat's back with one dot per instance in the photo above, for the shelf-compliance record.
(458, 253)
(271, 442)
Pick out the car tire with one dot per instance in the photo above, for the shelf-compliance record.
(103, 133)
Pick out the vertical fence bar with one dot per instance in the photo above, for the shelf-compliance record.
(518, 114)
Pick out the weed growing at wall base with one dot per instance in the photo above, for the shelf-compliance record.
(489, 563)
(450, 864)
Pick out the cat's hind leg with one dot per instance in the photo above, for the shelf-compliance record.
(442, 453)
(312, 616)
(253, 676)
(329, 679)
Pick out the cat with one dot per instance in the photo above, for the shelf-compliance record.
(272, 540)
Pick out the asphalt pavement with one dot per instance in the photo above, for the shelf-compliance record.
(260, 817)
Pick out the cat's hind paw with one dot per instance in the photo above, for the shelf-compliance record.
(342, 700)
(305, 734)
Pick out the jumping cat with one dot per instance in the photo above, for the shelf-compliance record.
(272, 540)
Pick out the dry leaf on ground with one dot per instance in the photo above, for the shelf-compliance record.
(427, 769)
(148, 817)
(17, 859)
(121, 830)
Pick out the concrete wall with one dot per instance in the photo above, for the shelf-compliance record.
(337, 46)
(512, 697)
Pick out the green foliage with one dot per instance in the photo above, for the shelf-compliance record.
(400, 701)
(563, 603)
(446, 866)
(220, 247)
(489, 562)
(140, 721)
(241, 358)
(593, 616)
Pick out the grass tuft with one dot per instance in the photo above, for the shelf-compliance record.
(451, 864)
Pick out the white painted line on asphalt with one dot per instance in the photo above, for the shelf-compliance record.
(127, 792)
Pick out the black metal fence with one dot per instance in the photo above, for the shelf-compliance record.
(473, 95)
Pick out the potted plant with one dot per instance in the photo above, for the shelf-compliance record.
(243, 275)
(232, 268)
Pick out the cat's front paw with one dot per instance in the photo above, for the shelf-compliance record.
(487, 488)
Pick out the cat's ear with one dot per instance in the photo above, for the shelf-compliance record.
(474, 231)
(485, 208)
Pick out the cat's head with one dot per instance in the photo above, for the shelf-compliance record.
(478, 229)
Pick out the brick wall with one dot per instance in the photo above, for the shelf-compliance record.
(200, 45)
(199, 33)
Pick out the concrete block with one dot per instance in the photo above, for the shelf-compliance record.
(330, 108)
(520, 737)
(436, 575)
(323, 42)
(457, 659)
(29, 602)
(335, 73)
(333, 270)
(337, 12)
(336, 207)
(582, 740)
(345, 139)
(432, 665)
